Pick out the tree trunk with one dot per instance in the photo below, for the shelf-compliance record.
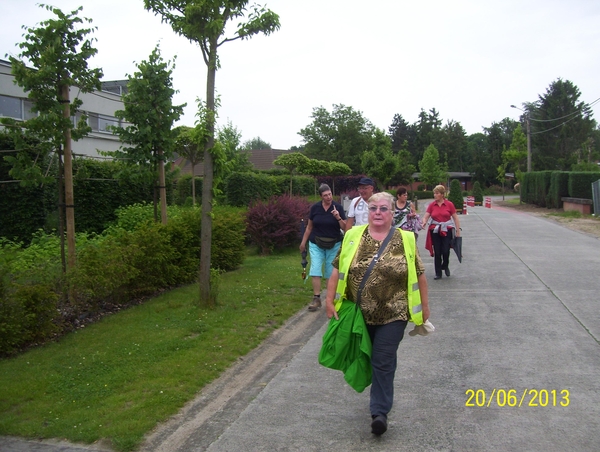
(162, 186)
(68, 168)
(193, 185)
(207, 183)
(61, 210)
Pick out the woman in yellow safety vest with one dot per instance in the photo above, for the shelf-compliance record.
(394, 293)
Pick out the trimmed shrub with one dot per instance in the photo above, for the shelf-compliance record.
(535, 187)
(112, 270)
(559, 187)
(27, 315)
(477, 193)
(242, 189)
(103, 273)
(421, 194)
(580, 184)
(455, 195)
(228, 248)
(274, 224)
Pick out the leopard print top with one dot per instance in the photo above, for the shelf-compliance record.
(384, 297)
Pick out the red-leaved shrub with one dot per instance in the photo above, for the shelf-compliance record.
(275, 224)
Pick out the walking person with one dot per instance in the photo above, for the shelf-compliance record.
(394, 291)
(326, 220)
(405, 215)
(443, 223)
(358, 212)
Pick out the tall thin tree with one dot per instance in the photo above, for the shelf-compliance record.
(204, 22)
(58, 52)
(150, 112)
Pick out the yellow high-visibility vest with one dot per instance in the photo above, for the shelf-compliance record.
(348, 250)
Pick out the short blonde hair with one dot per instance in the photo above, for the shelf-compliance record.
(440, 189)
(383, 196)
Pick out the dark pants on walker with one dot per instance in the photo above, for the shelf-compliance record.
(385, 339)
(441, 251)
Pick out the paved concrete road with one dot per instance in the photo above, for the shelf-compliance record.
(520, 313)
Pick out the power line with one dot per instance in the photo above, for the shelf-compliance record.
(555, 127)
(566, 116)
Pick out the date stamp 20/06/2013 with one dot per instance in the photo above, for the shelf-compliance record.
(513, 398)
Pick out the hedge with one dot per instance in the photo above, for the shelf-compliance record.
(546, 188)
(112, 270)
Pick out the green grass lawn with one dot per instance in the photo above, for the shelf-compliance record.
(116, 379)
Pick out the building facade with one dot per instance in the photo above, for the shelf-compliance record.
(100, 107)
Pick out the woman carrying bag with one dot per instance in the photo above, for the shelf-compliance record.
(405, 215)
(386, 297)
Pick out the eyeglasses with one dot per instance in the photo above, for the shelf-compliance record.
(382, 209)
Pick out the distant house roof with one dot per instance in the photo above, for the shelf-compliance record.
(261, 159)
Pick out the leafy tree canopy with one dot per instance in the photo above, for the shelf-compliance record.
(150, 112)
(379, 162)
(341, 135)
(433, 172)
(57, 52)
(560, 126)
(256, 143)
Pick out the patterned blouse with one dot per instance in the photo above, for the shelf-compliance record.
(384, 297)
(399, 214)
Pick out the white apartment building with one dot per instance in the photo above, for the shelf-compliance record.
(100, 107)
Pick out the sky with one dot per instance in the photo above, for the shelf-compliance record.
(468, 59)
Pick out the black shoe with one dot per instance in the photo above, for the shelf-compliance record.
(447, 270)
(379, 425)
(437, 277)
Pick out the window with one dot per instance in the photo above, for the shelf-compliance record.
(105, 121)
(11, 107)
(75, 119)
(101, 123)
(14, 107)
(27, 110)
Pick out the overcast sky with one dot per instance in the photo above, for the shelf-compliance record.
(469, 59)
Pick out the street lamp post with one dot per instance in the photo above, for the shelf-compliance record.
(528, 127)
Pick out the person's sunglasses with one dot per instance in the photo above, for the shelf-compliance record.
(382, 209)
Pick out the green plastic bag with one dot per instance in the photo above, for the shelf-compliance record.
(347, 346)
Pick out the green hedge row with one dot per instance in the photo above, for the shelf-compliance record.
(133, 258)
(546, 188)
(242, 189)
(99, 189)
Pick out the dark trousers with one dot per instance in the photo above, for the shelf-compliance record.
(385, 339)
(441, 251)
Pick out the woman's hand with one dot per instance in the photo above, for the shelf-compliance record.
(425, 220)
(338, 218)
(335, 213)
(331, 287)
(457, 224)
(330, 309)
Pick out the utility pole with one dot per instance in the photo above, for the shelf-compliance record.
(528, 143)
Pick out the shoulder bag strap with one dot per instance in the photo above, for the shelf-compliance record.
(378, 254)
